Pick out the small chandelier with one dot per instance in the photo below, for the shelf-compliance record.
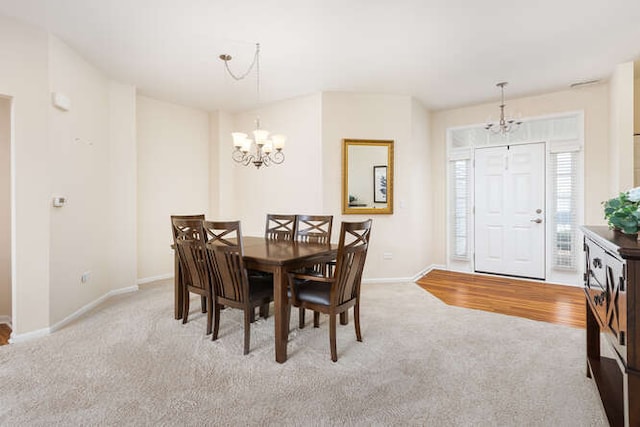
(260, 150)
(504, 126)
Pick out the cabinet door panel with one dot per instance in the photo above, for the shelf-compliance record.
(616, 301)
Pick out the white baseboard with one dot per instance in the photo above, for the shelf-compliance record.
(427, 270)
(29, 335)
(6, 320)
(154, 278)
(404, 279)
(59, 325)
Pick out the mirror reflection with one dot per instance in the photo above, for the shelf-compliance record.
(367, 177)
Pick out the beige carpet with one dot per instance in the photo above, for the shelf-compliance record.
(421, 363)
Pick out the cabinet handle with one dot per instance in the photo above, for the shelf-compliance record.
(597, 263)
(599, 299)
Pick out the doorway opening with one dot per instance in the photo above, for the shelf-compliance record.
(5, 220)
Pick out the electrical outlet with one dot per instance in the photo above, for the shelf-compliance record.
(86, 276)
(387, 255)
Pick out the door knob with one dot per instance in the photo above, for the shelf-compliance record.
(537, 220)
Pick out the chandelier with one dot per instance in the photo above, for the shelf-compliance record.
(504, 126)
(260, 149)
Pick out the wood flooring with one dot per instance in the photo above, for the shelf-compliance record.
(545, 302)
(5, 333)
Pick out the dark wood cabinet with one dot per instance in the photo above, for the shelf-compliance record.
(612, 290)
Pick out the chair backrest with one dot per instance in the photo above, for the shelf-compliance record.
(280, 227)
(314, 228)
(352, 252)
(174, 231)
(188, 234)
(224, 252)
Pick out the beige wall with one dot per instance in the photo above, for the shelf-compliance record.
(636, 125)
(636, 97)
(593, 100)
(5, 209)
(123, 167)
(399, 118)
(68, 154)
(214, 159)
(90, 146)
(24, 77)
(621, 130)
(419, 194)
(173, 177)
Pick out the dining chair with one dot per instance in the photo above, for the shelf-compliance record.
(233, 287)
(280, 227)
(314, 229)
(337, 293)
(177, 270)
(193, 262)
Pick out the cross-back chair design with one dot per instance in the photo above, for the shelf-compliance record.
(314, 229)
(178, 271)
(193, 261)
(280, 227)
(277, 227)
(233, 287)
(335, 294)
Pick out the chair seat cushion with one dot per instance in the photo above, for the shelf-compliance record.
(313, 292)
(255, 273)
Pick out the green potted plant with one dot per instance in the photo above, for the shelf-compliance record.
(622, 212)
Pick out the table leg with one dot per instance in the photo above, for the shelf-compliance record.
(177, 285)
(280, 302)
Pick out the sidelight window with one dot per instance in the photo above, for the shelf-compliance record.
(460, 172)
(564, 224)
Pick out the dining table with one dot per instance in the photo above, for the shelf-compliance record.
(277, 257)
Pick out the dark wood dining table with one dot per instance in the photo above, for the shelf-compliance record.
(276, 257)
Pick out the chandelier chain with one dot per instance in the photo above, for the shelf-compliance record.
(227, 58)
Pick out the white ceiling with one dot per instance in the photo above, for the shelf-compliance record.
(446, 53)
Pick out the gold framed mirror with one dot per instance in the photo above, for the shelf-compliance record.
(367, 176)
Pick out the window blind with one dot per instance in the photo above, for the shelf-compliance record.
(460, 208)
(564, 220)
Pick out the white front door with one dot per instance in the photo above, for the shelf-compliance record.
(510, 210)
